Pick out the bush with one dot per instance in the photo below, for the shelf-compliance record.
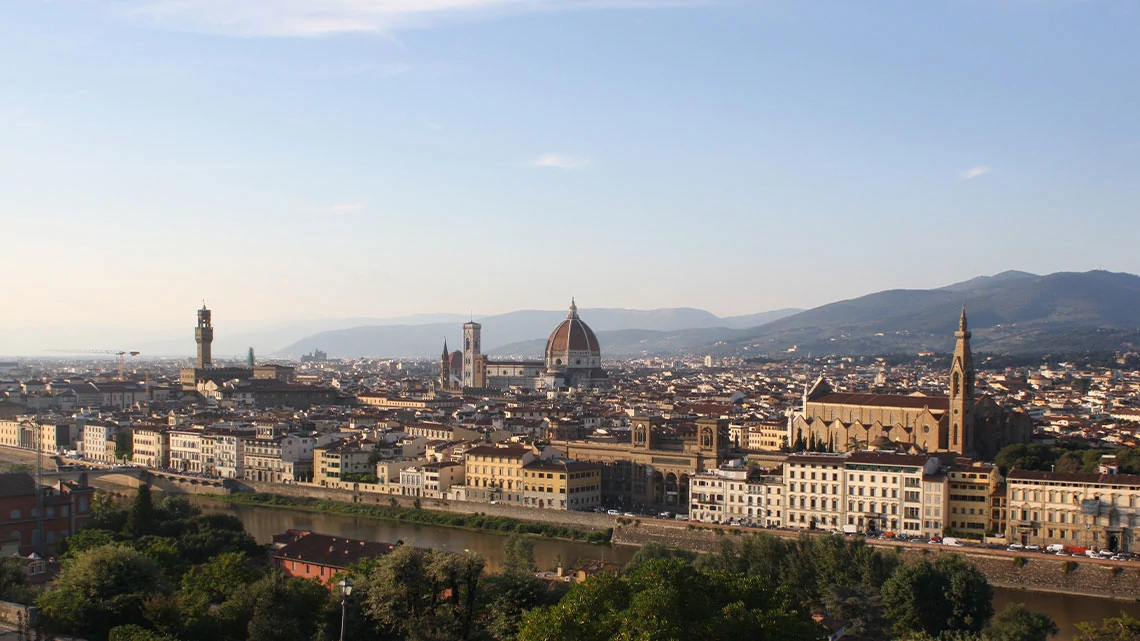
(1019, 561)
(1069, 566)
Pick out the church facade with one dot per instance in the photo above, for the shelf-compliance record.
(573, 358)
(959, 422)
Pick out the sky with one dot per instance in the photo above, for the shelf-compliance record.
(299, 159)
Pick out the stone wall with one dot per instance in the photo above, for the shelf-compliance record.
(15, 614)
(583, 520)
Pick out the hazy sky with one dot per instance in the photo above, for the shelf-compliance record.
(332, 158)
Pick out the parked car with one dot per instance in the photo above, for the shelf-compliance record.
(1015, 547)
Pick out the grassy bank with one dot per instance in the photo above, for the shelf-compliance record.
(499, 524)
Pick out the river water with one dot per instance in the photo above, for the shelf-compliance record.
(264, 522)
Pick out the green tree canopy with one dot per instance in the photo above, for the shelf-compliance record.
(947, 595)
(669, 599)
(1018, 623)
(101, 588)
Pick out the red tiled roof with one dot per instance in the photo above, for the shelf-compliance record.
(935, 403)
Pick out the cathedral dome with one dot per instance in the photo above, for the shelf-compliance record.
(572, 344)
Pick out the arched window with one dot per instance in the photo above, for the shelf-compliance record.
(14, 515)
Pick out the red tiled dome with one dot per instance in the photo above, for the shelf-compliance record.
(571, 335)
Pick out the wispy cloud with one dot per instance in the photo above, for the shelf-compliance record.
(560, 161)
(974, 172)
(341, 209)
(292, 18)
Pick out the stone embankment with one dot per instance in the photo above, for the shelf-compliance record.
(581, 520)
(1017, 570)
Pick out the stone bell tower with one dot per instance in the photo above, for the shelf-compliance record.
(204, 336)
(961, 421)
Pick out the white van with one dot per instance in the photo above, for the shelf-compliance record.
(1054, 548)
(952, 542)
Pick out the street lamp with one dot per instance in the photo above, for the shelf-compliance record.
(345, 590)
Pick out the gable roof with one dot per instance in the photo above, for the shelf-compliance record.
(935, 403)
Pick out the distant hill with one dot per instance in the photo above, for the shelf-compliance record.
(518, 332)
(1012, 312)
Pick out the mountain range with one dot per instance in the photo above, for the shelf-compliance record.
(1010, 312)
(516, 333)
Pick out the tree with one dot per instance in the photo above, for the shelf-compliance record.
(948, 594)
(99, 589)
(416, 593)
(14, 581)
(124, 444)
(651, 551)
(518, 556)
(272, 608)
(1121, 628)
(669, 599)
(1017, 623)
(141, 516)
(210, 585)
(860, 606)
(1069, 462)
(132, 632)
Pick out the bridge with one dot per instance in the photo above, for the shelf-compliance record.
(134, 476)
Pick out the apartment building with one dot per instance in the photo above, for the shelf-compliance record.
(334, 461)
(1093, 510)
(971, 488)
(768, 436)
(97, 443)
(562, 484)
(935, 499)
(440, 432)
(713, 494)
(884, 490)
(814, 491)
(226, 450)
(495, 472)
(150, 445)
(186, 450)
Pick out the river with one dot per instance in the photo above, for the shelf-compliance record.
(264, 522)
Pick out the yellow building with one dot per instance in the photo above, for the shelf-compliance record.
(495, 472)
(561, 484)
(334, 461)
(150, 446)
(970, 489)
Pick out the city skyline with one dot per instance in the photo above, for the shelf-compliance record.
(490, 155)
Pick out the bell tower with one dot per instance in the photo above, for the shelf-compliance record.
(961, 420)
(445, 367)
(471, 352)
(204, 336)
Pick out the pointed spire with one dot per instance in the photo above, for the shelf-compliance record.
(962, 321)
(445, 354)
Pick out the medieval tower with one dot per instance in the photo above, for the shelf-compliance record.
(204, 336)
(962, 392)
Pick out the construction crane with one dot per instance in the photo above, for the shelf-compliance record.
(122, 354)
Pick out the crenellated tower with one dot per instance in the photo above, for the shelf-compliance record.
(204, 336)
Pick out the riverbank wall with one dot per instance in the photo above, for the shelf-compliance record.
(581, 520)
(1022, 571)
